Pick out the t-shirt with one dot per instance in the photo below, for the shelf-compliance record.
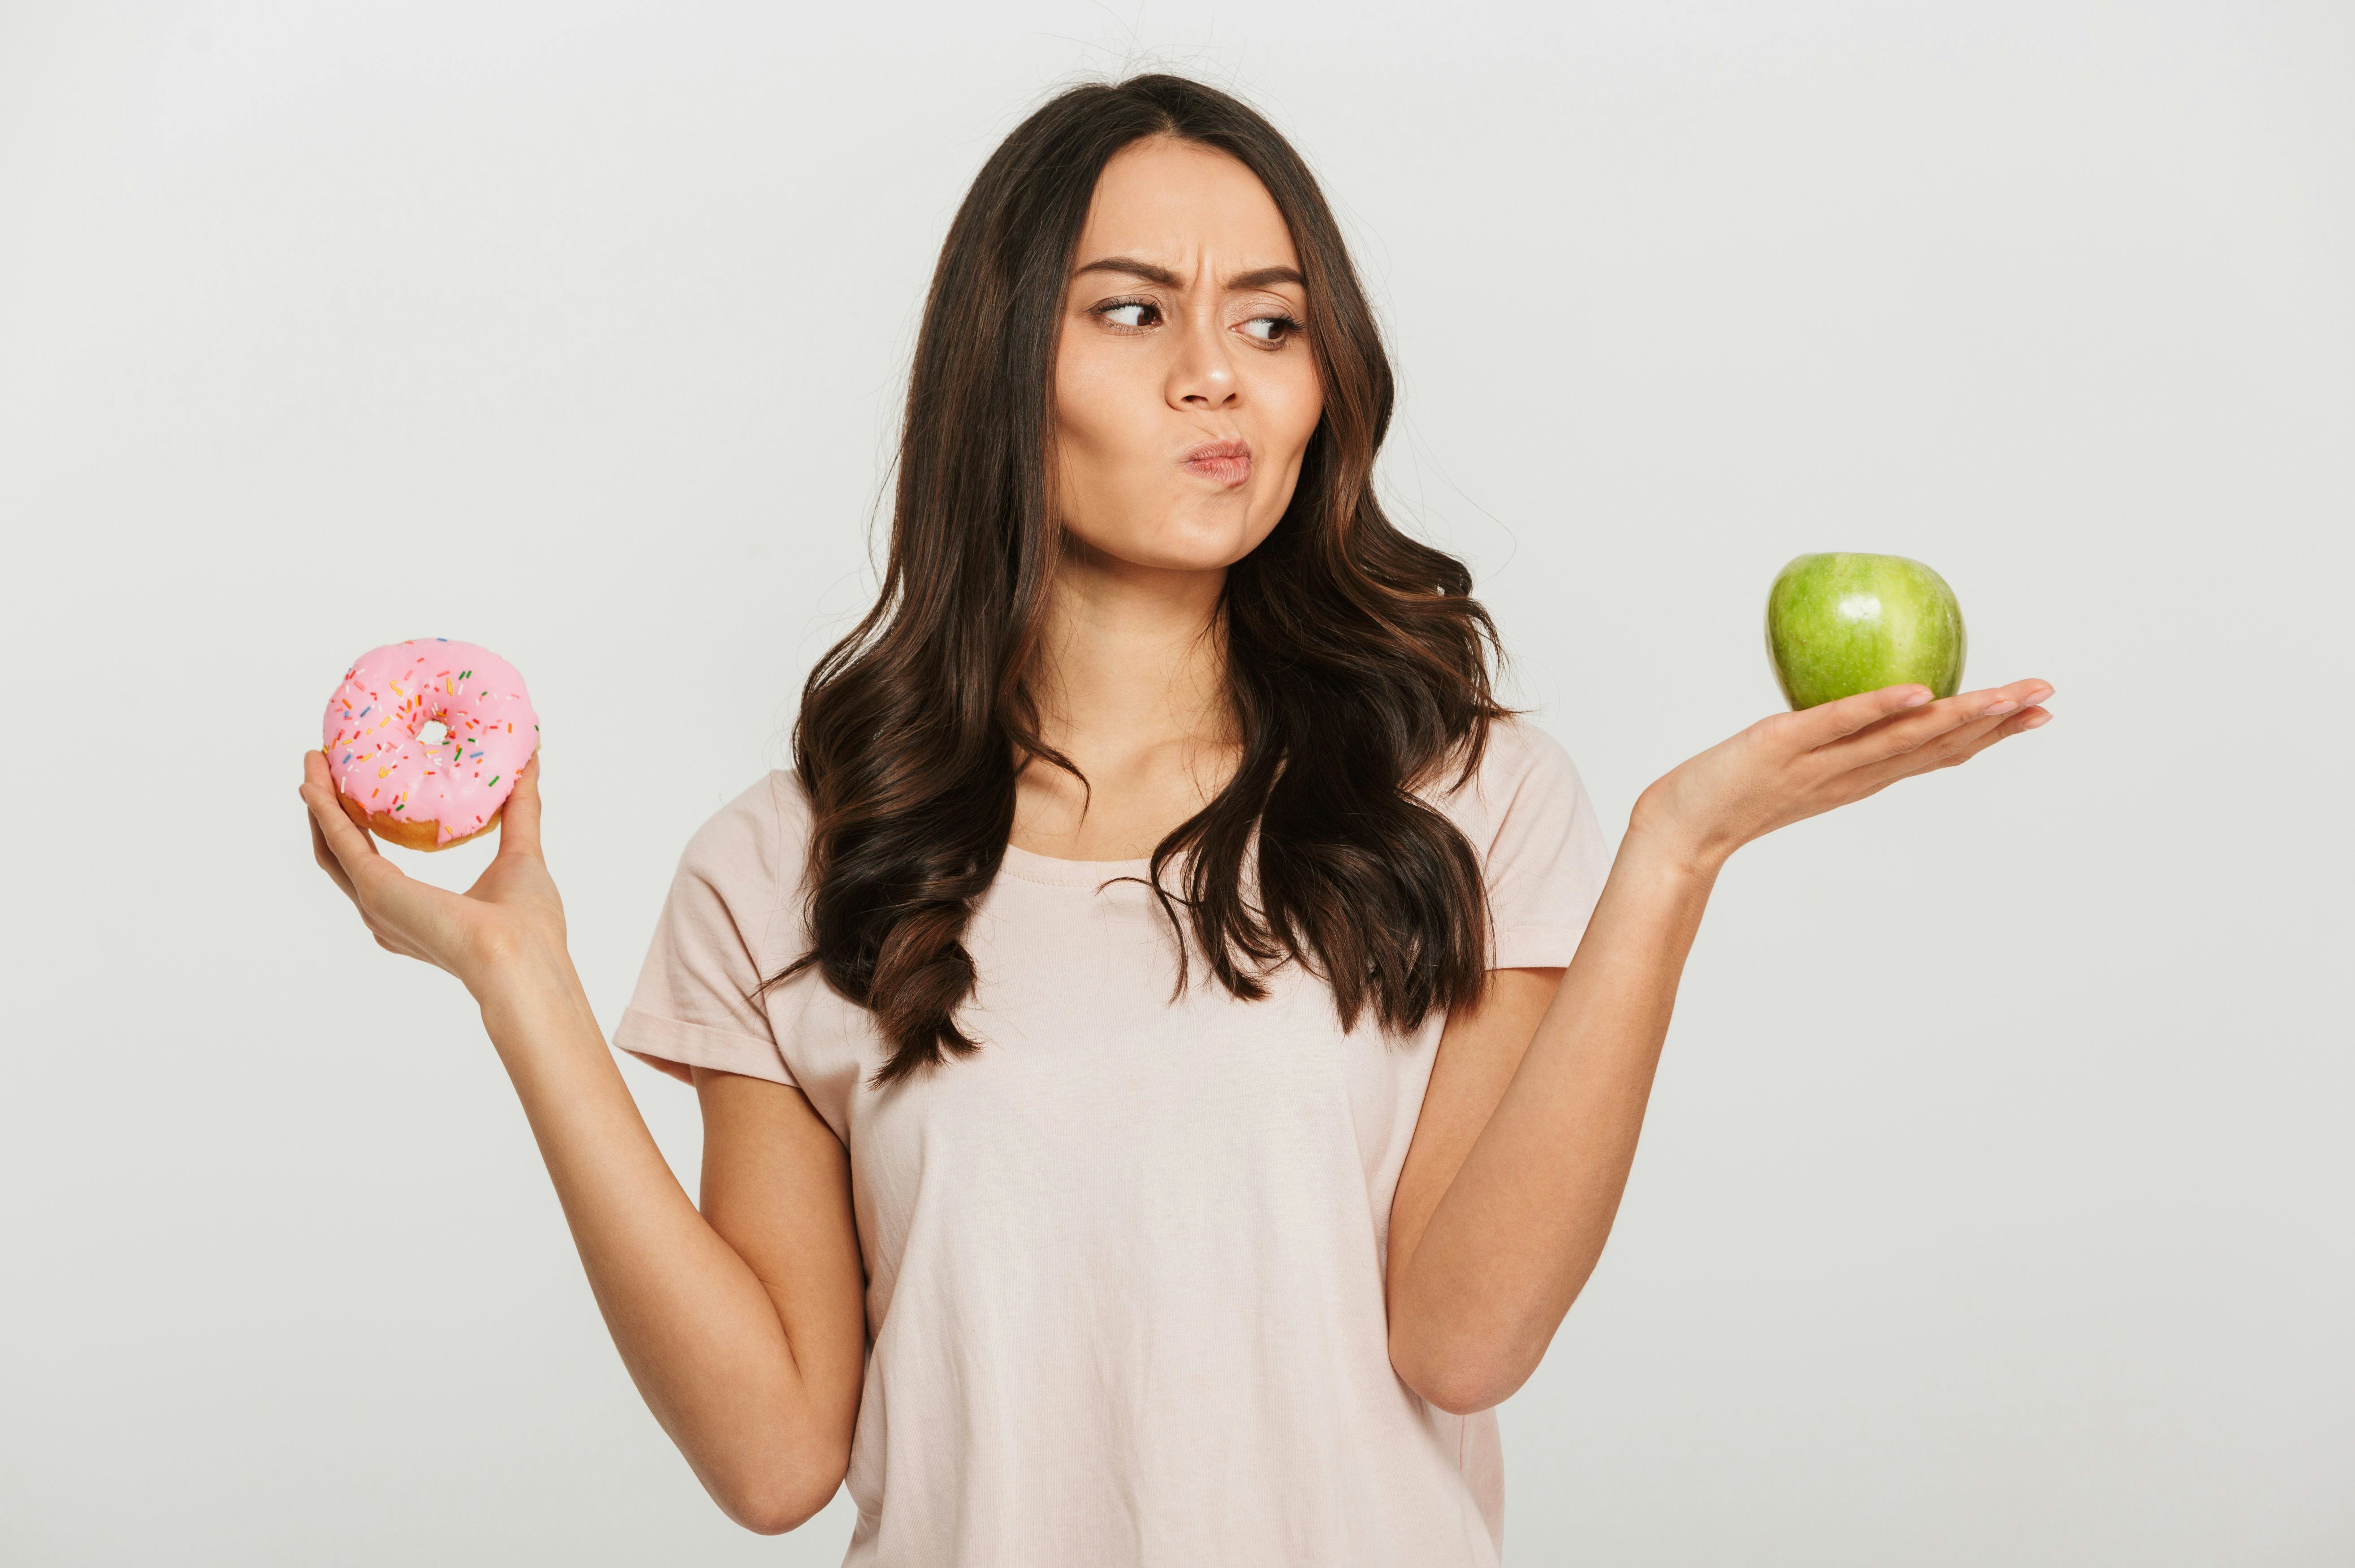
(1125, 1300)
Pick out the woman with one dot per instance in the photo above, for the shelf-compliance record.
(1206, 1157)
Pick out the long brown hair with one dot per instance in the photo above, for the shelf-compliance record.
(1358, 661)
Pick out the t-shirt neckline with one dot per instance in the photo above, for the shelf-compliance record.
(1032, 867)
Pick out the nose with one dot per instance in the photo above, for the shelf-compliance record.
(1202, 371)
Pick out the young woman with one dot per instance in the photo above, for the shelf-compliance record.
(1171, 1049)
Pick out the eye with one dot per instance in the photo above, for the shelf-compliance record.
(1130, 313)
(1271, 329)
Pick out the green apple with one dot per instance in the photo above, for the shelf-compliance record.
(1841, 622)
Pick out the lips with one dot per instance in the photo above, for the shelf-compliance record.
(1226, 462)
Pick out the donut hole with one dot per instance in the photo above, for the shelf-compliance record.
(432, 733)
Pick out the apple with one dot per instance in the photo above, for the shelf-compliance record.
(1843, 621)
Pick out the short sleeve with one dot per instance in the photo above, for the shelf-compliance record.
(1541, 846)
(723, 927)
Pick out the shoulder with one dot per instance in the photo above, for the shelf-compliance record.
(754, 845)
(1522, 770)
(1515, 756)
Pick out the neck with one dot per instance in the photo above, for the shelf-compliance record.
(1131, 657)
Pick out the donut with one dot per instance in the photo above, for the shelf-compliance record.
(403, 790)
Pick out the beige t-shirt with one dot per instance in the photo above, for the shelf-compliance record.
(1124, 1266)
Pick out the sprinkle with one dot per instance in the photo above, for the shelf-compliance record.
(368, 709)
(465, 673)
(381, 772)
(347, 757)
(495, 778)
(374, 792)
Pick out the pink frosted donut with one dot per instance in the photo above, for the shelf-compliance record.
(411, 793)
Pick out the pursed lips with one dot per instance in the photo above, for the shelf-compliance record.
(1226, 462)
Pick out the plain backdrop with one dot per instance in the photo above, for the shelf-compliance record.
(1994, 1201)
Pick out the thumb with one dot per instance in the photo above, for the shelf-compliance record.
(519, 819)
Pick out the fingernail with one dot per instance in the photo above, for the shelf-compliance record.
(1918, 698)
(2036, 720)
(2006, 706)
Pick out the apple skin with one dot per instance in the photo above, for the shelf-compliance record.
(1842, 622)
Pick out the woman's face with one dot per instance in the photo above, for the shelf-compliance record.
(1185, 392)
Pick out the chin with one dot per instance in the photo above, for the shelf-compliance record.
(1191, 539)
(1203, 551)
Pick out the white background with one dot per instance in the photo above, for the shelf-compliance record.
(1993, 1205)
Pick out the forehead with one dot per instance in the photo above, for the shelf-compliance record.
(1167, 200)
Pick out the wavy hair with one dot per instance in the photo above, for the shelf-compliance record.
(1357, 659)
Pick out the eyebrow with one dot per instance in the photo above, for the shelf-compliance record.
(1258, 278)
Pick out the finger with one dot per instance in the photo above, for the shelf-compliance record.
(1978, 738)
(520, 818)
(348, 852)
(1949, 750)
(2012, 695)
(316, 776)
(1828, 721)
(359, 816)
(391, 903)
(327, 856)
(2019, 723)
(319, 851)
(351, 845)
(1939, 720)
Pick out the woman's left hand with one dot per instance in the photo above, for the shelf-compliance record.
(1790, 766)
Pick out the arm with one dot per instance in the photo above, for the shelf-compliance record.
(744, 1330)
(1478, 1285)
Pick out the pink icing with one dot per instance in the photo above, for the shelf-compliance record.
(370, 734)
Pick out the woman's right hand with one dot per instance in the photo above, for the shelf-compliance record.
(510, 917)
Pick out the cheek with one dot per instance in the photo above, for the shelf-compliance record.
(1096, 414)
(1294, 403)
(1302, 411)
